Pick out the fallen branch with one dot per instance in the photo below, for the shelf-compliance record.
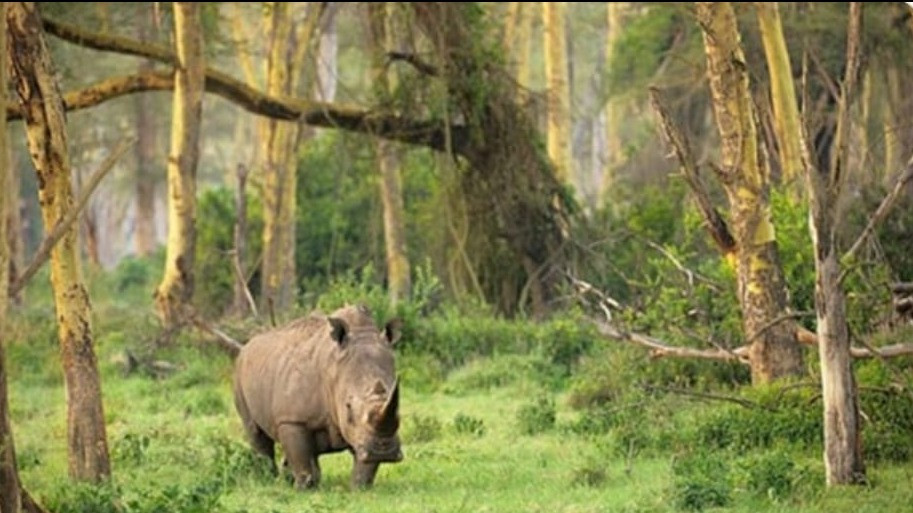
(659, 348)
(415, 61)
(715, 397)
(902, 288)
(64, 225)
(232, 346)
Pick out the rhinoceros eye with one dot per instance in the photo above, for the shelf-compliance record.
(350, 417)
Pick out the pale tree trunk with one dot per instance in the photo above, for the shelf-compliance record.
(147, 162)
(558, 91)
(782, 95)
(279, 177)
(176, 289)
(842, 436)
(612, 114)
(774, 350)
(43, 112)
(147, 166)
(385, 38)
(10, 499)
(286, 55)
(890, 121)
(327, 56)
(12, 220)
(524, 46)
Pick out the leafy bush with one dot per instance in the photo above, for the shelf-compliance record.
(468, 425)
(79, 497)
(537, 416)
(772, 473)
(131, 448)
(701, 480)
(421, 429)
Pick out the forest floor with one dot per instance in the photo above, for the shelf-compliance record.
(177, 445)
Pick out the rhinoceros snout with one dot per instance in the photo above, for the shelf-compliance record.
(380, 451)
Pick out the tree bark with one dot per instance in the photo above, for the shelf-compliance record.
(241, 305)
(147, 162)
(385, 38)
(775, 352)
(613, 118)
(176, 288)
(45, 123)
(782, 94)
(10, 498)
(842, 434)
(558, 91)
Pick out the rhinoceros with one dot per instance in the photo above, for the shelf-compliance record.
(322, 384)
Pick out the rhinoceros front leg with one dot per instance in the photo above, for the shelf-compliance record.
(298, 445)
(363, 473)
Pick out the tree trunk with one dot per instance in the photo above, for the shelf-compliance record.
(327, 55)
(385, 38)
(147, 167)
(774, 350)
(524, 47)
(241, 305)
(279, 172)
(890, 121)
(45, 124)
(782, 94)
(614, 154)
(558, 91)
(176, 289)
(12, 219)
(10, 499)
(842, 435)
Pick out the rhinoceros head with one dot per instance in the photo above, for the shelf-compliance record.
(367, 390)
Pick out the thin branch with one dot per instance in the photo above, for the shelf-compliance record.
(64, 225)
(242, 282)
(661, 349)
(884, 208)
(715, 397)
(691, 275)
(777, 320)
(415, 61)
(716, 225)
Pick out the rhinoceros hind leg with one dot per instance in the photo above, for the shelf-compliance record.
(363, 474)
(298, 446)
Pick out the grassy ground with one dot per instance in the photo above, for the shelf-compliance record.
(177, 445)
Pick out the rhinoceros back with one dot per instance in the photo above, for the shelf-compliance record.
(281, 375)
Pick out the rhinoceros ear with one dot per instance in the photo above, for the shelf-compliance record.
(393, 331)
(338, 329)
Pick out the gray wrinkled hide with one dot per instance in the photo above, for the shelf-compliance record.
(322, 384)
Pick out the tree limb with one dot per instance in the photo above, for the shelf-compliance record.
(415, 61)
(229, 344)
(661, 349)
(716, 225)
(327, 115)
(61, 228)
(397, 128)
(883, 209)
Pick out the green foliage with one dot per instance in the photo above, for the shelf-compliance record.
(215, 276)
(419, 429)
(743, 429)
(537, 416)
(701, 480)
(772, 473)
(468, 425)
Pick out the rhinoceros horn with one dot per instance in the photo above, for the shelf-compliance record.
(387, 421)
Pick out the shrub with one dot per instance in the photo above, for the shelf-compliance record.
(537, 416)
(700, 480)
(421, 429)
(468, 425)
(772, 473)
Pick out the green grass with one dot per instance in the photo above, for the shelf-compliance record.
(177, 445)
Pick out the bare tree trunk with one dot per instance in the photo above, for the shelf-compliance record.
(241, 306)
(558, 91)
(279, 176)
(42, 108)
(782, 94)
(12, 219)
(385, 38)
(524, 45)
(10, 499)
(176, 289)
(842, 435)
(775, 351)
(614, 155)
(147, 166)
